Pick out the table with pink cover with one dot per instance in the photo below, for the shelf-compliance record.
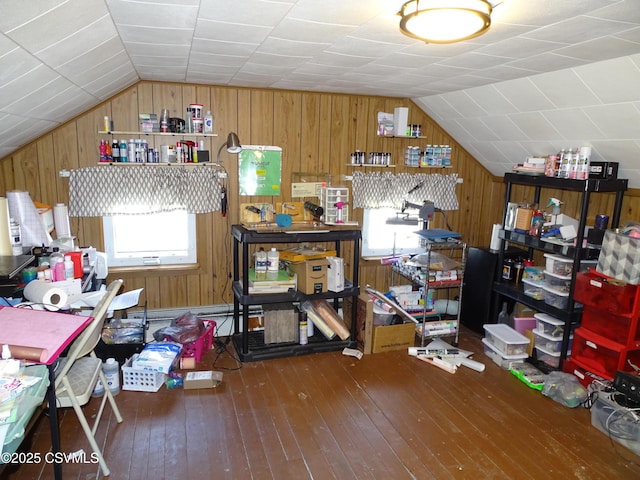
(41, 336)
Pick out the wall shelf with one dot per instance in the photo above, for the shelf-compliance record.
(372, 165)
(157, 134)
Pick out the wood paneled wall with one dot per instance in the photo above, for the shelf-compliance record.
(317, 132)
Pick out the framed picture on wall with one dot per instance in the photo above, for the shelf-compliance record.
(260, 170)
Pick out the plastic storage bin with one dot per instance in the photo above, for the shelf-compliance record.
(600, 355)
(507, 341)
(613, 327)
(504, 361)
(548, 342)
(201, 346)
(546, 356)
(561, 283)
(533, 288)
(563, 266)
(536, 274)
(549, 325)
(140, 380)
(615, 420)
(555, 297)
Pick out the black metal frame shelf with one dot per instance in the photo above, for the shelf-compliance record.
(250, 346)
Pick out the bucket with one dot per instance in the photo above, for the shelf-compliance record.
(196, 110)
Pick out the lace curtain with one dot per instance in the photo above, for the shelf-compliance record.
(378, 190)
(140, 189)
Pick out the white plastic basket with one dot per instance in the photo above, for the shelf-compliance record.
(140, 380)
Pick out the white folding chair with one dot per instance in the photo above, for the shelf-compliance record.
(79, 371)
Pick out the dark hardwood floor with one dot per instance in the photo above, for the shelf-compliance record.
(330, 416)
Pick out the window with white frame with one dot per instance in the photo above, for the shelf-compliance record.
(166, 238)
(386, 232)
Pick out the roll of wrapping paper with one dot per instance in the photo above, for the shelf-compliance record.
(61, 220)
(5, 235)
(33, 354)
(330, 316)
(24, 212)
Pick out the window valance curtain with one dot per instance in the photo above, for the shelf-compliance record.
(379, 190)
(141, 189)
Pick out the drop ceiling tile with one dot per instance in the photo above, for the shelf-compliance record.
(205, 59)
(625, 152)
(39, 32)
(245, 12)
(565, 89)
(306, 31)
(547, 62)
(616, 121)
(82, 75)
(464, 104)
(535, 126)
(578, 29)
(267, 59)
(524, 95)
(24, 86)
(475, 60)
(27, 102)
(214, 47)
(476, 130)
(158, 36)
(228, 32)
(491, 101)
(504, 128)
(313, 68)
(519, 47)
(573, 124)
(160, 15)
(612, 88)
(620, 11)
(66, 104)
(336, 59)
(353, 12)
(360, 47)
(437, 107)
(600, 49)
(15, 64)
(155, 50)
(80, 42)
(503, 73)
(509, 153)
(543, 12)
(292, 47)
(540, 148)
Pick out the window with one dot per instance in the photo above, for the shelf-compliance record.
(166, 238)
(385, 232)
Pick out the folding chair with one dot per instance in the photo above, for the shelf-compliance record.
(79, 371)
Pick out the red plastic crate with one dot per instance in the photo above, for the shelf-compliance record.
(614, 327)
(201, 346)
(600, 355)
(584, 376)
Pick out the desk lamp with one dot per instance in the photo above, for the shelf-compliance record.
(233, 146)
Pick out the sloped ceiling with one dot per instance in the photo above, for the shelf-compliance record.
(550, 74)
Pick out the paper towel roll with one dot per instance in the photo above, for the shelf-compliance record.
(61, 220)
(495, 239)
(5, 233)
(51, 296)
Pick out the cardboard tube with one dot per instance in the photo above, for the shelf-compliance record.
(28, 353)
(5, 234)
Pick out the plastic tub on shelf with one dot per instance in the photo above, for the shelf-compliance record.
(549, 325)
(548, 342)
(563, 266)
(533, 288)
(556, 298)
(504, 361)
(548, 357)
(561, 283)
(534, 274)
(506, 340)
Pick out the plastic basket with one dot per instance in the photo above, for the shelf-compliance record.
(140, 380)
(202, 345)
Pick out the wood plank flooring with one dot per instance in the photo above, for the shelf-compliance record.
(330, 416)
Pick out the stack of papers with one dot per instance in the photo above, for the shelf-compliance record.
(272, 283)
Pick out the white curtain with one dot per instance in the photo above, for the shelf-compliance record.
(378, 190)
(141, 189)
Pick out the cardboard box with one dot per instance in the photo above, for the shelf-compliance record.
(202, 379)
(393, 337)
(312, 275)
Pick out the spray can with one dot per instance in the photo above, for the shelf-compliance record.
(123, 151)
(302, 322)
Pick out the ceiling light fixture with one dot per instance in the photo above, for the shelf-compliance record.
(445, 21)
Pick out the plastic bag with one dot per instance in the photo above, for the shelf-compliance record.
(186, 328)
(564, 388)
(435, 261)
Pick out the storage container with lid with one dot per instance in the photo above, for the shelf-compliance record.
(549, 325)
(506, 340)
(533, 288)
(504, 361)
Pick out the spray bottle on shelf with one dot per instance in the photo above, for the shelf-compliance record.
(339, 206)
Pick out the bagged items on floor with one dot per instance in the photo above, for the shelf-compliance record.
(564, 388)
(186, 328)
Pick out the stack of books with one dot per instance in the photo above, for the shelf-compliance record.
(271, 283)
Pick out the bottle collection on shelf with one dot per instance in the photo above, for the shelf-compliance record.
(57, 267)
(430, 156)
(139, 151)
